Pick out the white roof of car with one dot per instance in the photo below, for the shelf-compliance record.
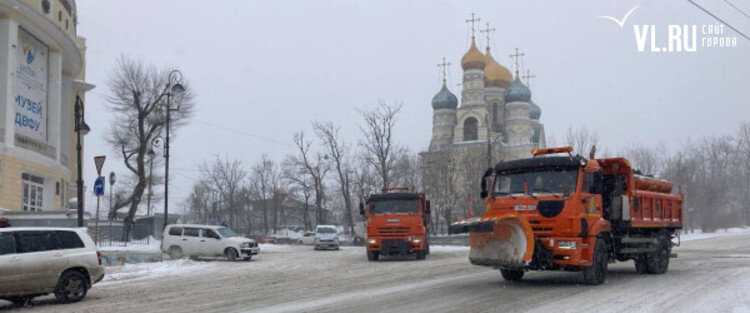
(8, 229)
(196, 225)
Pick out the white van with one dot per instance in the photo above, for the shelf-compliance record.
(35, 261)
(181, 240)
(326, 237)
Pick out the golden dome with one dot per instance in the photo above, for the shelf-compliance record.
(496, 75)
(473, 59)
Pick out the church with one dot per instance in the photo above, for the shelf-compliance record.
(495, 121)
(496, 114)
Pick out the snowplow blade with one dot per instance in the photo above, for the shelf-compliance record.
(506, 241)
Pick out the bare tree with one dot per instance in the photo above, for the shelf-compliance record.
(226, 178)
(299, 181)
(138, 96)
(262, 187)
(317, 168)
(743, 158)
(378, 143)
(646, 159)
(338, 152)
(582, 140)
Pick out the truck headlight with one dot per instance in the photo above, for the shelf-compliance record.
(416, 240)
(371, 240)
(566, 245)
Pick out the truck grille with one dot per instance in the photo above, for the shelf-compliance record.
(393, 231)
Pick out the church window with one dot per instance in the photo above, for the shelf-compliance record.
(470, 129)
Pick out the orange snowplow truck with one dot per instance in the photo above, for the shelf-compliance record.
(572, 213)
(396, 223)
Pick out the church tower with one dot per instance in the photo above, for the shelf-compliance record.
(444, 105)
(473, 114)
(519, 126)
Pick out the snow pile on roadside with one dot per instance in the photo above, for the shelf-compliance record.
(152, 270)
(436, 248)
(698, 234)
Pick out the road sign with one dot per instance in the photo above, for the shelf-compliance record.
(99, 186)
(99, 161)
(111, 178)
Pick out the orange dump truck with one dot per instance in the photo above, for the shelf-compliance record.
(565, 212)
(396, 223)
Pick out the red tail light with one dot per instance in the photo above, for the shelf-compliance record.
(99, 257)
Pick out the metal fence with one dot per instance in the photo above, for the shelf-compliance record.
(111, 233)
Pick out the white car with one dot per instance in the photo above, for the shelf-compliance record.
(326, 237)
(35, 261)
(308, 238)
(206, 241)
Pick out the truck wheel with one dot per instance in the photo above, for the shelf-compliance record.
(597, 273)
(372, 255)
(20, 302)
(71, 287)
(512, 275)
(427, 247)
(420, 255)
(658, 261)
(640, 265)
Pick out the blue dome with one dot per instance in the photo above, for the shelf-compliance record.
(517, 92)
(444, 99)
(534, 111)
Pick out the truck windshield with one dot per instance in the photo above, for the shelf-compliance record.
(394, 206)
(226, 232)
(539, 180)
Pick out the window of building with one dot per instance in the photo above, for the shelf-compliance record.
(33, 192)
(470, 129)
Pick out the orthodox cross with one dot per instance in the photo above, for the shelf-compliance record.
(444, 66)
(488, 30)
(528, 78)
(517, 55)
(472, 20)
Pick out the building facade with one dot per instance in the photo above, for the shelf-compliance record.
(42, 69)
(496, 115)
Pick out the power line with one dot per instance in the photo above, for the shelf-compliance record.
(736, 8)
(718, 19)
(245, 133)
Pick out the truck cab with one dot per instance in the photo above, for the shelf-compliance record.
(396, 223)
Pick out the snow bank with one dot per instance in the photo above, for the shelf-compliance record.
(699, 234)
(132, 272)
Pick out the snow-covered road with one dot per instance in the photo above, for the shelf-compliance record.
(710, 275)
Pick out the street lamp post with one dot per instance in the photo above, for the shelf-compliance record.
(172, 90)
(81, 128)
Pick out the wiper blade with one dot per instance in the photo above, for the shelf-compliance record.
(547, 191)
(504, 194)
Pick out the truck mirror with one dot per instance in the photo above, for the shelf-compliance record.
(427, 207)
(361, 208)
(595, 187)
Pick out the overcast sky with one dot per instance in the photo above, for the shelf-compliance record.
(264, 70)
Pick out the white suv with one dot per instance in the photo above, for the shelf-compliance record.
(326, 237)
(35, 261)
(206, 240)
